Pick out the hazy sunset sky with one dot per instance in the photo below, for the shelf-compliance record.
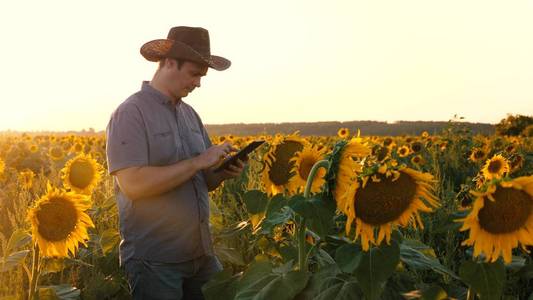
(66, 65)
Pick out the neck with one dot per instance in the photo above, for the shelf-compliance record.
(158, 83)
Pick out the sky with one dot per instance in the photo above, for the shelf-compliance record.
(66, 65)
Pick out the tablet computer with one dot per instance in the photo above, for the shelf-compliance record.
(239, 155)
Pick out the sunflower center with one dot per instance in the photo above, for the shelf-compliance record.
(81, 173)
(57, 219)
(495, 166)
(381, 153)
(381, 202)
(280, 172)
(508, 213)
(305, 166)
(416, 147)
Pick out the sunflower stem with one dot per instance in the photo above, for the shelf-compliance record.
(35, 270)
(302, 259)
(302, 255)
(319, 164)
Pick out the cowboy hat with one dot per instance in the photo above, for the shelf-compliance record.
(182, 42)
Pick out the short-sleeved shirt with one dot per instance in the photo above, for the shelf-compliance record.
(148, 130)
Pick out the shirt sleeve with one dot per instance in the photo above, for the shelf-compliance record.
(127, 144)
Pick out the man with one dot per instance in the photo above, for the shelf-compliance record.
(162, 159)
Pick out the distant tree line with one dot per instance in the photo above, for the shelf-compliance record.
(516, 125)
(331, 128)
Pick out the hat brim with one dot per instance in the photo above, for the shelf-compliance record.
(161, 48)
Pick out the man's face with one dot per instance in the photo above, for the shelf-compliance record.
(184, 80)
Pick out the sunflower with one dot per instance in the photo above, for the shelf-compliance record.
(381, 152)
(278, 165)
(496, 167)
(516, 163)
(424, 134)
(2, 166)
(303, 162)
(403, 151)
(387, 141)
(418, 160)
(343, 133)
(501, 219)
(25, 178)
(387, 200)
(81, 174)
(442, 146)
(416, 146)
(478, 154)
(59, 222)
(56, 153)
(34, 148)
(78, 147)
(345, 167)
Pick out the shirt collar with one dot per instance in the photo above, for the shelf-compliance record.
(157, 95)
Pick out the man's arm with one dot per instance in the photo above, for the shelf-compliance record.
(145, 181)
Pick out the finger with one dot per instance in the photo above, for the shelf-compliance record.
(234, 168)
(231, 173)
(239, 163)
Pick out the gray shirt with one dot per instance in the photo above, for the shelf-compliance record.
(147, 130)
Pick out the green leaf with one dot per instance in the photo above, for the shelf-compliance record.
(348, 257)
(274, 219)
(260, 282)
(19, 238)
(230, 255)
(318, 214)
(256, 201)
(276, 204)
(341, 287)
(276, 213)
(255, 271)
(62, 292)
(329, 283)
(222, 286)
(323, 258)
(526, 271)
(288, 252)
(375, 267)
(316, 281)
(13, 260)
(417, 260)
(516, 264)
(109, 239)
(434, 292)
(285, 286)
(487, 279)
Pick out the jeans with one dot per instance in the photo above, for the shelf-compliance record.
(154, 280)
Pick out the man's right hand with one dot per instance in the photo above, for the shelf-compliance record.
(213, 155)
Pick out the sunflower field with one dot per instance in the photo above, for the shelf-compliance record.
(429, 216)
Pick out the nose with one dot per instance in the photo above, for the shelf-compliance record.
(197, 83)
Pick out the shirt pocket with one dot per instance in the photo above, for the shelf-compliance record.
(196, 142)
(163, 148)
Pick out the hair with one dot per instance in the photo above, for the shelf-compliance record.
(179, 61)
